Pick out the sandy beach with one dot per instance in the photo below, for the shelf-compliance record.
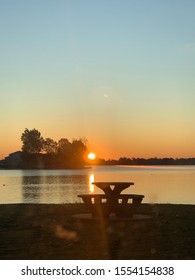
(50, 231)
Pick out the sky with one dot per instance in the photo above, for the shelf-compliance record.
(120, 73)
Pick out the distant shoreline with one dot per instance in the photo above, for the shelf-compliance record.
(149, 161)
(20, 160)
(1, 168)
(89, 167)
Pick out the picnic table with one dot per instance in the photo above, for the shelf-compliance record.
(112, 201)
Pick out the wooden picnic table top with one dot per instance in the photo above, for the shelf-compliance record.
(118, 187)
(94, 195)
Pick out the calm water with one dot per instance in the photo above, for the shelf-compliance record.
(167, 184)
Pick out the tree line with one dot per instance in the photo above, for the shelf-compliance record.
(149, 161)
(39, 152)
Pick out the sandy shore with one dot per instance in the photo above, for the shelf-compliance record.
(37, 231)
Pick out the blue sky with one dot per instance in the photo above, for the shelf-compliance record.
(120, 73)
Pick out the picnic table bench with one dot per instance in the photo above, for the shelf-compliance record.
(102, 198)
(112, 201)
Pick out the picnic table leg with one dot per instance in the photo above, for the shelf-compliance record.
(136, 203)
(137, 200)
(99, 208)
(124, 200)
(105, 209)
(87, 200)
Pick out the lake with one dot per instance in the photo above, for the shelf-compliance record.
(159, 184)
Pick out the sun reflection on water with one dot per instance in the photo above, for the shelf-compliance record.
(91, 180)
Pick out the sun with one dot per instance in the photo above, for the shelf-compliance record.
(91, 156)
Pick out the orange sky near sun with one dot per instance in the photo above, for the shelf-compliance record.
(114, 140)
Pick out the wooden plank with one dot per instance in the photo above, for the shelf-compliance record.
(118, 196)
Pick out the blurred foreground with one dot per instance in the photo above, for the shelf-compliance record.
(37, 231)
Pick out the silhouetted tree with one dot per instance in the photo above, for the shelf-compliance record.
(50, 146)
(63, 154)
(64, 146)
(32, 141)
(72, 154)
(79, 147)
(79, 150)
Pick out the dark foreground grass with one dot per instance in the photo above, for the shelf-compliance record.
(37, 231)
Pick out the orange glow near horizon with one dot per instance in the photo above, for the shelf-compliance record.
(114, 150)
(134, 143)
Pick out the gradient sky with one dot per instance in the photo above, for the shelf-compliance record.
(119, 72)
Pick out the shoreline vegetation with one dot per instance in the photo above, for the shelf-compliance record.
(45, 153)
(148, 161)
(42, 161)
(50, 231)
(23, 160)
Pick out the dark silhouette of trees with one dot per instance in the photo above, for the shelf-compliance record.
(64, 146)
(73, 154)
(47, 153)
(32, 141)
(79, 150)
(50, 146)
(38, 152)
(149, 161)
